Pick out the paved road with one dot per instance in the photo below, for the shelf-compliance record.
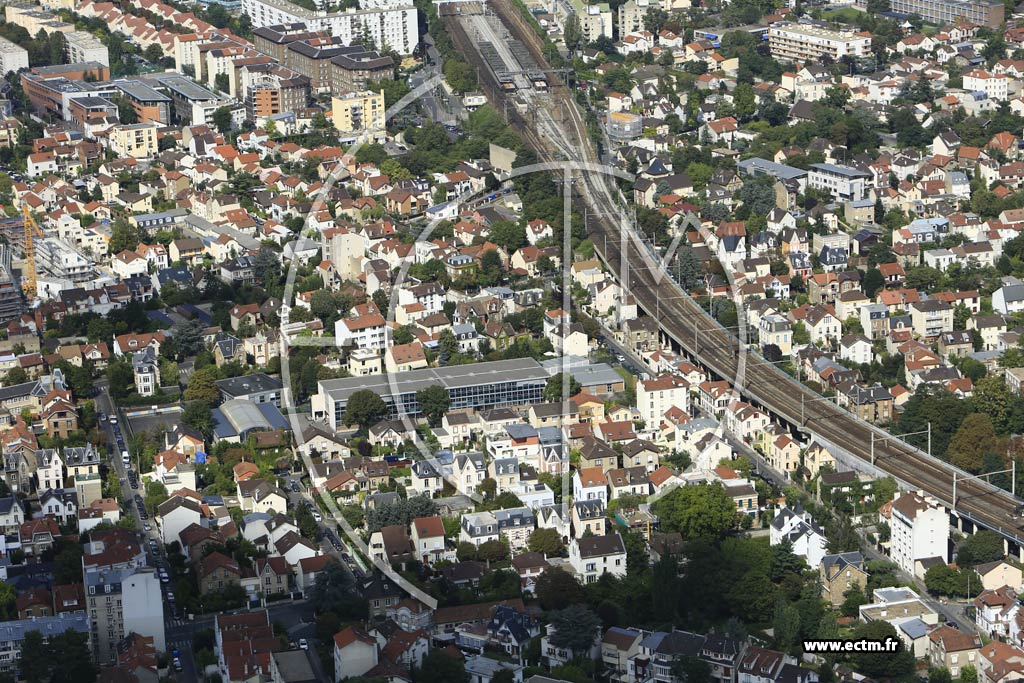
(439, 105)
(146, 528)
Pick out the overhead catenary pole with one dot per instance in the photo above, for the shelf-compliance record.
(874, 438)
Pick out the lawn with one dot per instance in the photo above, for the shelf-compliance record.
(846, 15)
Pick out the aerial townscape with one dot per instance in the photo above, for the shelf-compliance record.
(512, 341)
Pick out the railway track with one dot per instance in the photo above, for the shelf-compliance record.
(694, 331)
(778, 393)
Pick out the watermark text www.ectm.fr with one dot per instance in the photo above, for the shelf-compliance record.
(838, 646)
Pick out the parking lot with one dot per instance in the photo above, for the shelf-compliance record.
(167, 419)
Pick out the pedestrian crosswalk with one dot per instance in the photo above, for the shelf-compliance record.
(176, 623)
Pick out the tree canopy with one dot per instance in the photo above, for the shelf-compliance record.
(701, 511)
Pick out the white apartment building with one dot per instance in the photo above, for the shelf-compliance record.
(791, 41)
(920, 529)
(632, 15)
(367, 331)
(391, 24)
(842, 182)
(83, 46)
(595, 19)
(13, 57)
(654, 397)
(995, 86)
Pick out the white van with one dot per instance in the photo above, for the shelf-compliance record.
(125, 458)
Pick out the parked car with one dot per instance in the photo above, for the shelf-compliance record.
(303, 645)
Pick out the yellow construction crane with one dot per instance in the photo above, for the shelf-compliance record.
(28, 279)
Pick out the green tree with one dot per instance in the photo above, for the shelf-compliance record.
(508, 234)
(873, 281)
(460, 75)
(434, 401)
(35, 658)
(553, 388)
(7, 597)
(689, 270)
(992, 397)
(492, 551)
(120, 378)
(703, 510)
(942, 409)
(335, 591)
(556, 589)
(969, 674)
(786, 626)
(545, 542)
(575, 629)
(980, 548)
(188, 338)
(940, 675)
(14, 376)
(71, 658)
(882, 664)
(126, 113)
(744, 101)
(942, 580)
(156, 494)
(202, 387)
(222, 118)
(853, 598)
(447, 346)
(487, 488)
(440, 667)
(197, 416)
(692, 670)
(123, 235)
(975, 437)
(572, 33)
(365, 408)
(67, 563)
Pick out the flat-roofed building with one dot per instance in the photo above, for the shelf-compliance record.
(493, 384)
(137, 140)
(358, 112)
(389, 24)
(191, 102)
(90, 108)
(13, 57)
(757, 166)
(986, 12)
(788, 40)
(842, 182)
(271, 89)
(82, 46)
(150, 105)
